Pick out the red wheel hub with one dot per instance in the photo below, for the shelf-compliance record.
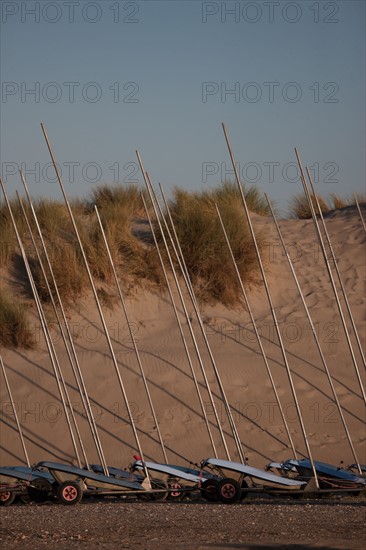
(69, 493)
(228, 490)
(175, 494)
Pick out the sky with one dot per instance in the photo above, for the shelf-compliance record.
(108, 78)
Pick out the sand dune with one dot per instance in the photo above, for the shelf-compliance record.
(238, 359)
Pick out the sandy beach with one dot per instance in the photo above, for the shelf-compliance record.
(328, 525)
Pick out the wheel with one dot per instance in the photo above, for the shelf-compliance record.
(25, 499)
(209, 490)
(155, 484)
(69, 493)
(7, 498)
(159, 484)
(228, 490)
(39, 490)
(243, 494)
(175, 495)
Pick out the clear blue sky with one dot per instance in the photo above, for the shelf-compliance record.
(296, 70)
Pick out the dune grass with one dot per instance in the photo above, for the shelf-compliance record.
(135, 258)
(228, 193)
(299, 206)
(14, 325)
(337, 201)
(118, 208)
(203, 243)
(126, 201)
(67, 268)
(8, 242)
(52, 217)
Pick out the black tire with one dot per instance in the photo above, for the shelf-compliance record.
(244, 494)
(24, 499)
(7, 498)
(228, 491)
(69, 493)
(209, 490)
(155, 484)
(40, 490)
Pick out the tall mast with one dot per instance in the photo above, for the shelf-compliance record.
(270, 302)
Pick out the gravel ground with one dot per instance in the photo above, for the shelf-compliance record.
(250, 525)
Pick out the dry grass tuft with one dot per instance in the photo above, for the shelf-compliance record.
(299, 206)
(52, 217)
(66, 262)
(14, 326)
(338, 202)
(203, 242)
(118, 208)
(8, 242)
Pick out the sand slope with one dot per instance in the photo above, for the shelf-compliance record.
(237, 356)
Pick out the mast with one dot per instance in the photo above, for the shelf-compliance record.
(105, 329)
(134, 343)
(57, 372)
(246, 300)
(270, 302)
(334, 288)
(15, 412)
(326, 369)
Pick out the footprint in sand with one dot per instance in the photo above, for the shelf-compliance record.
(330, 438)
(169, 415)
(314, 437)
(304, 386)
(311, 299)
